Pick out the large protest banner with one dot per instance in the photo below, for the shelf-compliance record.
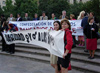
(47, 24)
(51, 40)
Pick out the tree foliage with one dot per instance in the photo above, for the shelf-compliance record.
(9, 8)
(26, 6)
(50, 6)
(1, 11)
(53, 6)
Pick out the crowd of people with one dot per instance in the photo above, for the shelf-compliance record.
(89, 25)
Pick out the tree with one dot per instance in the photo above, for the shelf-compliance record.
(9, 8)
(93, 6)
(75, 9)
(26, 6)
(53, 6)
(1, 11)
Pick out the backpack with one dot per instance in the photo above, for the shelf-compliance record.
(65, 42)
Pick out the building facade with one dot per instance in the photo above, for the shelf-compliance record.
(73, 1)
(3, 2)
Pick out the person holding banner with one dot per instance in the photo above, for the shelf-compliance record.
(43, 17)
(11, 47)
(90, 31)
(4, 30)
(68, 40)
(53, 16)
(81, 38)
(19, 17)
(53, 58)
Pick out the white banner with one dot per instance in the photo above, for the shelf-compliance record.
(47, 24)
(51, 40)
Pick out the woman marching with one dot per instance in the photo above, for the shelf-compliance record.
(53, 58)
(90, 31)
(68, 40)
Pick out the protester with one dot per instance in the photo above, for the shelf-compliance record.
(19, 17)
(68, 40)
(43, 17)
(95, 19)
(63, 15)
(53, 58)
(4, 30)
(90, 31)
(11, 18)
(26, 18)
(83, 24)
(35, 17)
(72, 17)
(81, 15)
(81, 38)
(53, 16)
(3, 19)
(11, 47)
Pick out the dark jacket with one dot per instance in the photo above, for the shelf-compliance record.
(4, 28)
(2, 20)
(90, 34)
(20, 19)
(84, 22)
(35, 18)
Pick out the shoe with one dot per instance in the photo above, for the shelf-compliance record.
(92, 57)
(85, 50)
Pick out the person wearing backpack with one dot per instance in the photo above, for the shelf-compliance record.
(68, 41)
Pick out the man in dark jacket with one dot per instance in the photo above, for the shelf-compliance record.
(83, 24)
(19, 17)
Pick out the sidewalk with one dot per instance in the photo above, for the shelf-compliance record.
(10, 64)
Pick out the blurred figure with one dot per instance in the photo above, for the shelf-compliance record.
(90, 30)
(35, 17)
(95, 19)
(53, 16)
(26, 18)
(83, 24)
(81, 15)
(4, 30)
(63, 15)
(11, 47)
(19, 17)
(2, 19)
(72, 17)
(11, 18)
(81, 38)
(43, 17)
